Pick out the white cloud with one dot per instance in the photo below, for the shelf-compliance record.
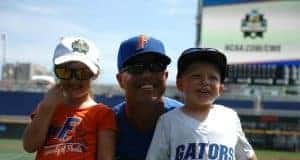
(39, 20)
(34, 29)
(178, 7)
(37, 10)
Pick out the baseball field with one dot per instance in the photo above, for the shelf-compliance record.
(11, 149)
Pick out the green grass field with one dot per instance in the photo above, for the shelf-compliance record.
(12, 150)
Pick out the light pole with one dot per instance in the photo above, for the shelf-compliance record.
(199, 23)
(3, 39)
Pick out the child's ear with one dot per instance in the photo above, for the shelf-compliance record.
(179, 84)
(221, 89)
(166, 74)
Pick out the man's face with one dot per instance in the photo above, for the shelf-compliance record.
(143, 79)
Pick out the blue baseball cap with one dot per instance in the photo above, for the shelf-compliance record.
(141, 45)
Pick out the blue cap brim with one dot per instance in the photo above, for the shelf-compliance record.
(161, 58)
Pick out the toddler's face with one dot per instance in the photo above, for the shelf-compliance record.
(201, 83)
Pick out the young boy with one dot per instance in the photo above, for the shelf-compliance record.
(200, 129)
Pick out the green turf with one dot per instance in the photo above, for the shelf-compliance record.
(276, 155)
(12, 150)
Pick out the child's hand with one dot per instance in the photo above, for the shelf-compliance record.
(53, 97)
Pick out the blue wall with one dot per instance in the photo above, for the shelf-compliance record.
(23, 103)
(281, 105)
(18, 103)
(236, 104)
(226, 2)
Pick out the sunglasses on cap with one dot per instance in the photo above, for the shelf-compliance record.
(69, 73)
(141, 68)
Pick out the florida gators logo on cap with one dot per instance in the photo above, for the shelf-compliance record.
(142, 41)
(80, 46)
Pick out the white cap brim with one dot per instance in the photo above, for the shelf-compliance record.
(79, 58)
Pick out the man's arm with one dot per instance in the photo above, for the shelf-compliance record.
(106, 144)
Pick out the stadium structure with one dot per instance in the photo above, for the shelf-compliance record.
(261, 40)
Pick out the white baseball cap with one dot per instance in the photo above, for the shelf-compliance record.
(77, 49)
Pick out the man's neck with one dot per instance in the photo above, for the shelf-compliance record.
(143, 116)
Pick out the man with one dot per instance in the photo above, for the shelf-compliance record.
(142, 64)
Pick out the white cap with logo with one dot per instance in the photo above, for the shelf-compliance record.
(77, 49)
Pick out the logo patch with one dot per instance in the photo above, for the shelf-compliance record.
(142, 41)
(80, 46)
(67, 131)
(254, 25)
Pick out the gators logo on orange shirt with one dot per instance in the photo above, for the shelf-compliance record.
(65, 133)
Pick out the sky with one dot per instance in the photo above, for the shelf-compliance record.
(33, 28)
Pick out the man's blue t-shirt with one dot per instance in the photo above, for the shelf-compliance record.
(131, 144)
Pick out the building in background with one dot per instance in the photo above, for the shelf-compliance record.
(261, 41)
(25, 77)
(22, 72)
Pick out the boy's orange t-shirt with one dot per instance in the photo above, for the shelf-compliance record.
(73, 132)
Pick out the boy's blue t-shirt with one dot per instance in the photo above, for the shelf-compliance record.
(132, 145)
